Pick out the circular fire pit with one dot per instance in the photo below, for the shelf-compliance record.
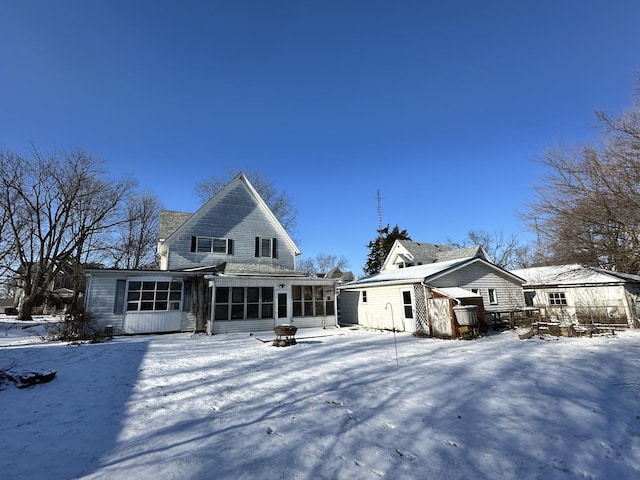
(285, 335)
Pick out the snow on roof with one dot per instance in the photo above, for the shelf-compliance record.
(572, 274)
(417, 273)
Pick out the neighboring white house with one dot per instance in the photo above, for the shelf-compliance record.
(427, 299)
(407, 253)
(229, 267)
(581, 294)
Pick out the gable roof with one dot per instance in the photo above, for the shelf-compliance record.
(421, 253)
(428, 272)
(174, 217)
(572, 275)
(424, 251)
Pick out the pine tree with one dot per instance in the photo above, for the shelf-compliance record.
(381, 246)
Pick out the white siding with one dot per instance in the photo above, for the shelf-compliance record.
(152, 322)
(100, 297)
(237, 216)
(383, 309)
(510, 295)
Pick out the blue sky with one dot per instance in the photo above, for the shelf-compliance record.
(440, 106)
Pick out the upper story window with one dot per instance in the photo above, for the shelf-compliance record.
(557, 298)
(212, 245)
(266, 247)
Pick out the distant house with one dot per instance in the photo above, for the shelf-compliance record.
(58, 293)
(229, 267)
(435, 298)
(581, 294)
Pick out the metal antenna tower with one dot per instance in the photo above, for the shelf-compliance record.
(379, 210)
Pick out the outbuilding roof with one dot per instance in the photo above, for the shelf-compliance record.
(572, 274)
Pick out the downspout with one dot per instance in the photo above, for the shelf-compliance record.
(212, 285)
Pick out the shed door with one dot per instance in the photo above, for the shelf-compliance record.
(440, 319)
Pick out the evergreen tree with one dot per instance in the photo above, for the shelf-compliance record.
(381, 246)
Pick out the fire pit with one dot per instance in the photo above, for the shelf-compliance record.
(285, 335)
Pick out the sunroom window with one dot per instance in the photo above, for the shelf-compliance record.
(149, 296)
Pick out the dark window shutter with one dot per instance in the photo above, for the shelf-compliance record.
(257, 247)
(230, 246)
(193, 244)
(274, 248)
(118, 303)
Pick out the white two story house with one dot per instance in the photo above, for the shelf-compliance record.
(229, 267)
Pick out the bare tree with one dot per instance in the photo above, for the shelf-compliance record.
(135, 239)
(55, 207)
(506, 251)
(278, 201)
(587, 207)
(322, 264)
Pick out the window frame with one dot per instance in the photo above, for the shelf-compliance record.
(240, 303)
(144, 295)
(407, 306)
(492, 293)
(557, 299)
(218, 245)
(313, 300)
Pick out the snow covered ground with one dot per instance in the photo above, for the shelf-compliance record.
(335, 406)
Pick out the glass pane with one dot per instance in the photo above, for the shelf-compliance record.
(252, 310)
(317, 293)
(148, 285)
(266, 247)
(162, 295)
(219, 245)
(163, 286)
(135, 285)
(297, 292)
(308, 309)
(267, 310)
(253, 294)
(148, 295)
(147, 306)
(222, 295)
(132, 306)
(174, 306)
(204, 244)
(267, 294)
(174, 296)
(297, 309)
(237, 295)
(319, 308)
(161, 305)
(408, 311)
(222, 312)
(237, 312)
(133, 296)
(308, 292)
(176, 285)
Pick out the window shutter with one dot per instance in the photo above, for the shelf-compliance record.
(230, 246)
(193, 244)
(257, 247)
(274, 248)
(118, 303)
